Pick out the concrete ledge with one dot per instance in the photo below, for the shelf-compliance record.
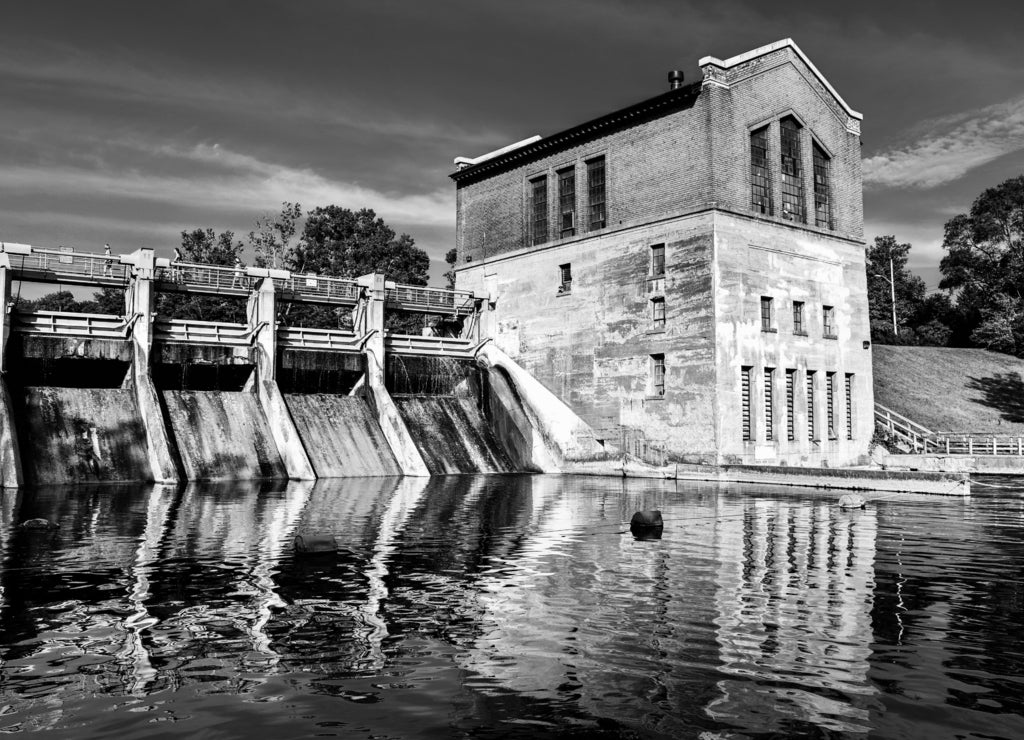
(895, 481)
(989, 464)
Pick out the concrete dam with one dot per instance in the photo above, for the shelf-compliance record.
(146, 397)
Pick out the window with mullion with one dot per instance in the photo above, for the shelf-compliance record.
(596, 194)
(760, 173)
(539, 210)
(793, 207)
(566, 203)
(822, 188)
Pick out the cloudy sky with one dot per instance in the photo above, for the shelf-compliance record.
(126, 122)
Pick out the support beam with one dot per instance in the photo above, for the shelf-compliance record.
(262, 313)
(10, 456)
(391, 422)
(164, 461)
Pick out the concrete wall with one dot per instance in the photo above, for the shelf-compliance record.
(754, 260)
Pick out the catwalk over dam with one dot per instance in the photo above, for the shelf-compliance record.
(142, 396)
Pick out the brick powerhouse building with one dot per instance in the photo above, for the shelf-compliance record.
(689, 271)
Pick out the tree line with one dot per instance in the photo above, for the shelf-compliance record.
(981, 298)
(328, 240)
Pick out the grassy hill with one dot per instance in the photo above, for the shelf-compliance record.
(946, 389)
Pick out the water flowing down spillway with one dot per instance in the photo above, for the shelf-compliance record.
(452, 435)
(341, 435)
(75, 435)
(222, 434)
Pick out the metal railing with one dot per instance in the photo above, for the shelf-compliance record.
(427, 300)
(187, 331)
(903, 431)
(297, 337)
(59, 323)
(916, 438)
(71, 266)
(205, 278)
(314, 288)
(410, 345)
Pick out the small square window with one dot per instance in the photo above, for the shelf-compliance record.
(767, 313)
(658, 312)
(657, 378)
(657, 260)
(565, 278)
(829, 321)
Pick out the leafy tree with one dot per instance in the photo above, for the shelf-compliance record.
(984, 267)
(61, 300)
(272, 239)
(205, 246)
(909, 291)
(450, 257)
(345, 243)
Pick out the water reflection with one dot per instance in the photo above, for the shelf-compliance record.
(519, 602)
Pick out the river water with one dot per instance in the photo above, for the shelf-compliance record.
(511, 606)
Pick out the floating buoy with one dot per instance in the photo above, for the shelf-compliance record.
(314, 544)
(647, 525)
(852, 501)
(38, 524)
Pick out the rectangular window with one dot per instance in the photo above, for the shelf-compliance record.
(793, 207)
(849, 405)
(565, 278)
(745, 373)
(791, 404)
(760, 174)
(810, 406)
(766, 313)
(657, 260)
(658, 375)
(829, 321)
(566, 203)
(798, 317)
(769, 400)
(596, 194)
(822, 188)
(658, 312)
(539, 210)
(830, 403)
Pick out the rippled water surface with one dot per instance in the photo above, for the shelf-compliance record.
(511, 606)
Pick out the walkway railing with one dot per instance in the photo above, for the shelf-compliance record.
(918, 439)
(430, 300)
(297, 337)
(199, 278)
(909, 433)
(319, 289)
(410, 345)
(59, 323)
(188, 331)
(68, 266)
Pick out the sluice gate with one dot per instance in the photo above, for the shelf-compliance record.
(145, 396)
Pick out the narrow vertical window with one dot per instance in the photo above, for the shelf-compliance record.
(657, 375)
(849, 405)
(565, 278)
(766, 313)
(745, 373)
(798, 317)
(760, 174)
(539, 210)
(567, 203)
(791, 404)
(830, 403)
(822, 188)
(657, 260)
(596, 194)
(769, 403)
(811, 431)
(658, 312)
(792, 172)
(829, 321)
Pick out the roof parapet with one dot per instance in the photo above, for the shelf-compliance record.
(463, 162)
(710, 66)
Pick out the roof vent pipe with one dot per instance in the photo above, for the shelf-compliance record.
(675, 79)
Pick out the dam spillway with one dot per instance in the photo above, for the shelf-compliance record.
(222, 434)
(341, 435)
